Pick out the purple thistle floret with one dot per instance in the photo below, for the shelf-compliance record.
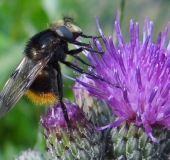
(141, 70)
(55, 120)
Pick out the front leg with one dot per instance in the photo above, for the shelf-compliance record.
(74, 53)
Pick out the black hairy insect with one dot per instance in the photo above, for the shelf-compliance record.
(38, 75)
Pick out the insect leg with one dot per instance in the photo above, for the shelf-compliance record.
(86, 47)
(80, 43)
(73, 53)
(60, 93)
(86, 36)
(80, 70)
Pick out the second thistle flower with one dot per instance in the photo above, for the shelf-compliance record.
(80, 141)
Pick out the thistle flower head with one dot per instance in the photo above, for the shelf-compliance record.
(141, 69)
(54, 118)
(80, 141)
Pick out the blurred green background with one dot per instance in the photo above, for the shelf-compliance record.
(19, 20)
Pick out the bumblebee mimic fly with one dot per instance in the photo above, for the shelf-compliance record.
(38, 75)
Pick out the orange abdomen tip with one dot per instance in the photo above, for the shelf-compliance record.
(42, 97)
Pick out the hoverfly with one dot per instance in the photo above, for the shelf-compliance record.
(39, 74)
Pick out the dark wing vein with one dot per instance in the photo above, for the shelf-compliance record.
(20, 80)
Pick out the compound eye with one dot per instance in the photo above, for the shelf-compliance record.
(64, 33)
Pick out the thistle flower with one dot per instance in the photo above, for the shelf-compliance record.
(140, 74)
(80, 141)
(96, 109)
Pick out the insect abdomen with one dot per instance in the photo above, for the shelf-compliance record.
(44, 89)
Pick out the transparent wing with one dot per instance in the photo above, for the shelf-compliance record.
(19, 81)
